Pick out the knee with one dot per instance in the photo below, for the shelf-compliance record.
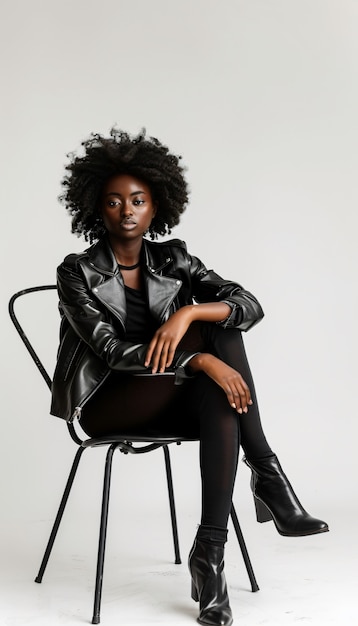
(209, 398)
(221, 341)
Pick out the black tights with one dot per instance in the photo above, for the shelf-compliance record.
(153, 405)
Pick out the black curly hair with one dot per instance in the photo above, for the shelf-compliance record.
(140, 156)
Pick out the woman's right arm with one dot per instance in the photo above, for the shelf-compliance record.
(93, 323)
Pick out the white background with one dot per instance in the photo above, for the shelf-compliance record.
(261, 98)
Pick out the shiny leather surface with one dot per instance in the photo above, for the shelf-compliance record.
(93, 309)
(272, 488)
(206, 565)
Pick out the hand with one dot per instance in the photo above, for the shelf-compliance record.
(165, 341)
(237, 391)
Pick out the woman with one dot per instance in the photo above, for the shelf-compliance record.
(134, 310)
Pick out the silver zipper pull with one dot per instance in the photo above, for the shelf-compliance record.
(76, 414)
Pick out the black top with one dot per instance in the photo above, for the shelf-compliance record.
(140, 325)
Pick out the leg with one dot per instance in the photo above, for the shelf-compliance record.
(228, 345)
(102, 535)
(273, 493)
(129, 404)
(59, 515)
(219, 448)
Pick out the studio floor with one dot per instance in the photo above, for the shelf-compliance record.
(310, 580)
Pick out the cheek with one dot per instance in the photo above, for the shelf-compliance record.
(149, 216)
(106, 219)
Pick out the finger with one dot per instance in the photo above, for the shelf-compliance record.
(237, 404)
(238, 395)
(151, 348)
(171, 353)
(167, 354)
(156, 356)
(164, 356)
(241, 396)
(241, 392)
(233, 397)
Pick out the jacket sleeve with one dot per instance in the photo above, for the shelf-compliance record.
(208, 286)
(95, 325)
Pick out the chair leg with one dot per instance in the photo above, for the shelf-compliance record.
(245, 554)
(172, 504)
(59, 515)
(103, 534)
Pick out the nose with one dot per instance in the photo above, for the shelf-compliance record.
(127, 208)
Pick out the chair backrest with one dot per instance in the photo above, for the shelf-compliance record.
(28, 344)
(40, 366)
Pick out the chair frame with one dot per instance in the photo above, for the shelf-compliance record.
(124, 443)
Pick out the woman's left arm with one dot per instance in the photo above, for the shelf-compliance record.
(218, 300)
(208, 286)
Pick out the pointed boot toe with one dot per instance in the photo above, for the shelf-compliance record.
(275, 499)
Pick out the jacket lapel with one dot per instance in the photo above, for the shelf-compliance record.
(105, 280)
(161, 290)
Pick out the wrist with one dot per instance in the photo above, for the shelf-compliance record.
(209, 311)
(200, 361)
(189, 310)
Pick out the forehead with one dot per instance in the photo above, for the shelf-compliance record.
(125, 183)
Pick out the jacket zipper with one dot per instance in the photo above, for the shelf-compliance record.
(77, 412)
(157, 269)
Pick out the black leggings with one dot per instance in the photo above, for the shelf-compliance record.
(153, 405)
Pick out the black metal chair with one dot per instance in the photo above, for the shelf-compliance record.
(124, 443)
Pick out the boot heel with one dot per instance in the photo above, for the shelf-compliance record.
(194, 592)
(262, 512)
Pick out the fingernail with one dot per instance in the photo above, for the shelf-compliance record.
(240, 410)
(233, 405)
(251, 402)
(245, 409)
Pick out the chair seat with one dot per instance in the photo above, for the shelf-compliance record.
(129, 438)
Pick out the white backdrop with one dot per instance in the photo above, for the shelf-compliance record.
(261, 98)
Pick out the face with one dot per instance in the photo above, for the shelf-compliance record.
(127, 207)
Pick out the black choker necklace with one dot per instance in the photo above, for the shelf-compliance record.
(129, 267)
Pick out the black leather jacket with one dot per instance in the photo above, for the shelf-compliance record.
(93, 309)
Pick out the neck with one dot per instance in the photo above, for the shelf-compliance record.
(127, 253)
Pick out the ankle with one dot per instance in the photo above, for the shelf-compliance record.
(213, 535)
(254, 457)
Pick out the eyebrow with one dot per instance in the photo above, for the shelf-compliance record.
(116, 193)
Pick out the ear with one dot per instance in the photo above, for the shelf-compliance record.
(155, 208)
(99, 215)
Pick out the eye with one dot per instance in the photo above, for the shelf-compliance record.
(113, 203)
(138, 201)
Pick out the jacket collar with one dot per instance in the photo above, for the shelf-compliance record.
(161, 290)
(102, 258)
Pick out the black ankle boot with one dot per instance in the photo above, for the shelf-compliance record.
(208, 587)
(275, 499)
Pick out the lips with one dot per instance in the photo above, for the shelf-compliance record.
(127, 223)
